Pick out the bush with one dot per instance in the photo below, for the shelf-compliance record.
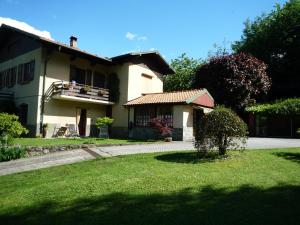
(103, 122)
(10, 127)
(161, 126)
(220, 129)
(9, 153)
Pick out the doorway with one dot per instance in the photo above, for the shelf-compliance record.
(82, 122)
(197, 119)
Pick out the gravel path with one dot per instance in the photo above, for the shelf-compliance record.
(68, 157)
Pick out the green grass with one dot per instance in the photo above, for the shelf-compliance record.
(72, 141)
(252, 187)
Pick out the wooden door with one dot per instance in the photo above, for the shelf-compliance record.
(82, 123)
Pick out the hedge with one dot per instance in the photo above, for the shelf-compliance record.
(290, 106)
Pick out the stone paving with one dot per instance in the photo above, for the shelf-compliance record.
(72, 156)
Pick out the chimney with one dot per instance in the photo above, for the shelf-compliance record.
(73, 41)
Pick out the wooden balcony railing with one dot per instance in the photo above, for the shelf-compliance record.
(79, 90)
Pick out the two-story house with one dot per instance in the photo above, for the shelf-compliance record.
(62, 86)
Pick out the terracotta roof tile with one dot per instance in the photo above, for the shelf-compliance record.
(184, 97)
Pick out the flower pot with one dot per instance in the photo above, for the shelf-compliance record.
(168, 139)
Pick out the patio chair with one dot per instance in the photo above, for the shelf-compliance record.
(61, 132)
(71, 130)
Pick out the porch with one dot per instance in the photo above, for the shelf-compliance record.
(71, 91)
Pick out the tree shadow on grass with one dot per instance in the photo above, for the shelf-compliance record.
(245, 205)
(189, 157)
(293, 156)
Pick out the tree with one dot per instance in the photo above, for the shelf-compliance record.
(275, 39)
(221, 129)
(233, 80)
(184, 77)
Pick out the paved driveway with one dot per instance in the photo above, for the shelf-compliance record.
(61, 158)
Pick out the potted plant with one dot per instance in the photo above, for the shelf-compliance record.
(85, 89)
(102, 92)
(45, 129)
(66, 86)
(163, 129)
(103, 123)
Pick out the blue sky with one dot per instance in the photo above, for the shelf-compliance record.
(110, 28)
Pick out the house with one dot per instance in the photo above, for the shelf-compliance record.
(62, 86)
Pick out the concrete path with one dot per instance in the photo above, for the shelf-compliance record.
(68, 157)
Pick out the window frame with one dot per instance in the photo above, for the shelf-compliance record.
(144, 119)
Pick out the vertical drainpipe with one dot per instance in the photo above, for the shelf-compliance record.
(128, 122)
(43, 94)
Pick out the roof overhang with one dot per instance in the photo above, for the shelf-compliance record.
(54, 45)
(153, 57)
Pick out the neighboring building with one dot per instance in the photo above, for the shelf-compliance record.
(60, 85)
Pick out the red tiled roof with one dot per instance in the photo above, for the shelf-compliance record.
(197, 96)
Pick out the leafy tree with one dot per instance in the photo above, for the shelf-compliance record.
(184, 77)
(221, 129)
(234, 80)
(275, 39)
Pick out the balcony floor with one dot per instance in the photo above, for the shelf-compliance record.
(79, 99)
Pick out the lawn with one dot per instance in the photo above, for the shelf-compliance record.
(252, 187)
(73, 141)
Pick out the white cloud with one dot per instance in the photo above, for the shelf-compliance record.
(24, 26)
(130, 36)
(152, 49)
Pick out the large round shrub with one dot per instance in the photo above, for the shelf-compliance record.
(10, 127)
(220, 129)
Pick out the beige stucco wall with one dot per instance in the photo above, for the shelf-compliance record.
(59, 113)
(136, 86)
(131, 87)
(62, 112)
(27, 93)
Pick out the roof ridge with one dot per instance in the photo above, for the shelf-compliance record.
(201, 89)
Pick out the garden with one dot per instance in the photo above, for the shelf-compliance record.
(250, 187)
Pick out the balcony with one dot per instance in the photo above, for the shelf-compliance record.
(79, 93)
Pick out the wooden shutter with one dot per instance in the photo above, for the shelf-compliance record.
(20, 73)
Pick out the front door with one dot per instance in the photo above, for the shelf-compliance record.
(197, 116)
(82, 123)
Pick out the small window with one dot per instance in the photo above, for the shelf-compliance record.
(26, 72)
(10, 77)
(1, 80)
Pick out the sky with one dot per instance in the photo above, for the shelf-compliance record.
(110, 28)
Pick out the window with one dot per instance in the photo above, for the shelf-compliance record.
(99, 80)
(1, 80)
(77, 75)
(144, 114)
(81, 76)
(88, 78)
(26, 72)
(146, 83)
(11, 75)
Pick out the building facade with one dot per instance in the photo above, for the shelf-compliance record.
(62, 86)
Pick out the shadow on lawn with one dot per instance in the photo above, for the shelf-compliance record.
(293, 156)
(246, 205)
(188, 157)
